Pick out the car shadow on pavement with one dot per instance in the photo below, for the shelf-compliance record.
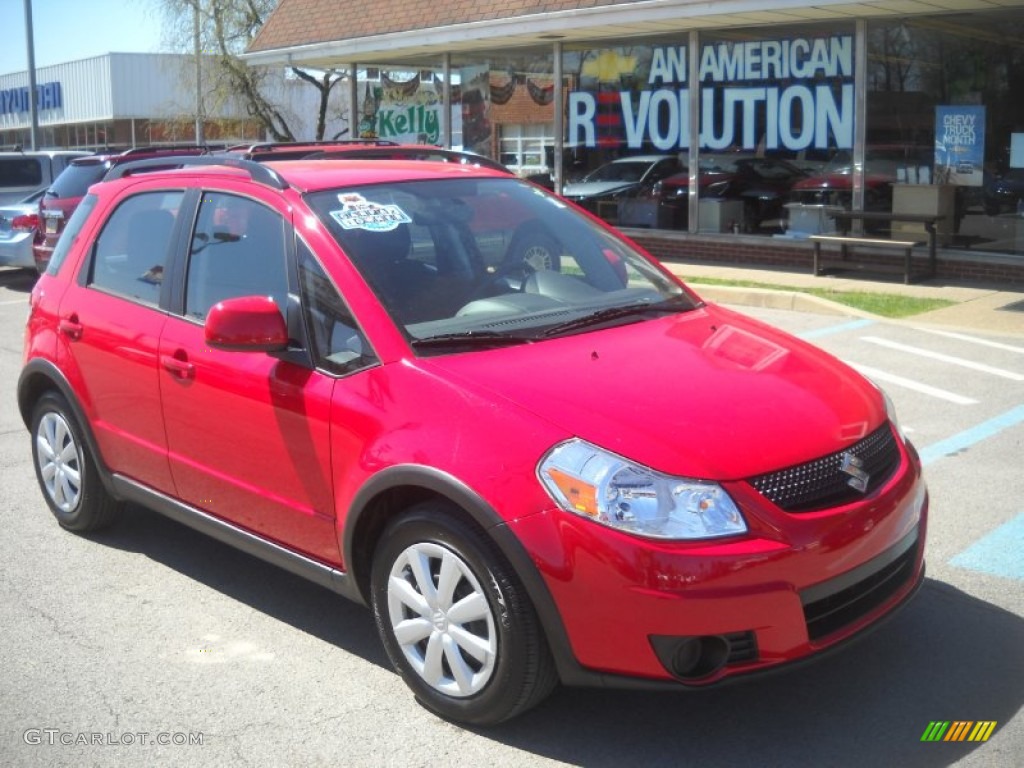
(945, 656)
(20, 280)
(265, 588)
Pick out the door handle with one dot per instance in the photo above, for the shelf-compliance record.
(70, 327)
(178, 365)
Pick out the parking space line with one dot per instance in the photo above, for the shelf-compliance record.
(997, 553)
(852, 325)
(973, 340)
(980, 367)
(925, 389)
(969, 437)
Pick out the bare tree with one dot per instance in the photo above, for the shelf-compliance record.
(227, 27)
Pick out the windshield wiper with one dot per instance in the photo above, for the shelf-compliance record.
(470, 339)
(639, 310)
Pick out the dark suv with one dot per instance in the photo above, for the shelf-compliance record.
(68, 189)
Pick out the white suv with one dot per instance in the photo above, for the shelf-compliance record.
(22, 173)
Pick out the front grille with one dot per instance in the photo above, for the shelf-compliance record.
(821, 483)
(875, 582)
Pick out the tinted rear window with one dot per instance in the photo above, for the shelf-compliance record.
(76, 179)
(20, 172)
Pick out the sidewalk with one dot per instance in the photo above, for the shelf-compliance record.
(979, 307)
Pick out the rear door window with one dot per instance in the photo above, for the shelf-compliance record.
(132, 249)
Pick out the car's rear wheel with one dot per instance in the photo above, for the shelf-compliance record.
(66, 472)
(455, 621)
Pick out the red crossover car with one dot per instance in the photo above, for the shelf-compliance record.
(531, 476)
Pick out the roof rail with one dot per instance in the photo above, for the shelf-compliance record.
(261, 174)
(271, 145)
(150, 149)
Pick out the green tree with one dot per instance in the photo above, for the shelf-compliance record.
(226, 28)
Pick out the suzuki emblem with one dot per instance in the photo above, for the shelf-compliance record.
(851, 465)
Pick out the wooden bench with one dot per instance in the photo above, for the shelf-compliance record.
(846, 242)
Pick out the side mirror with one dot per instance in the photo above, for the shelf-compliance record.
(246, 324)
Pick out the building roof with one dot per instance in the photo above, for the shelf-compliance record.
(301, 22)
(330, 33)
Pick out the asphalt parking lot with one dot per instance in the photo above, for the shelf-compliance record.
(152, 645)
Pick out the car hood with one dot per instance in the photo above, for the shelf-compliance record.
(708, 393)
(595, 188)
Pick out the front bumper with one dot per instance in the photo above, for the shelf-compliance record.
(782, 594)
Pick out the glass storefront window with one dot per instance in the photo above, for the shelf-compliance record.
(508, 108)
(774, 107)
(401, 106)
(946, 90)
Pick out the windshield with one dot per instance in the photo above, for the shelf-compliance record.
(620, 170)
(486, 261)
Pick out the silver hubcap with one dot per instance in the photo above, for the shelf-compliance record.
(60, 461)
(441, 619)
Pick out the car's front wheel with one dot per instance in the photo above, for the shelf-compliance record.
(66, 472)
(455, 621)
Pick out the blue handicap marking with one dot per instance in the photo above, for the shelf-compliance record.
(1000, 553)
(970, 437)
(851, 325)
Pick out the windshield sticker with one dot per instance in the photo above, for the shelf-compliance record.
(359, 213)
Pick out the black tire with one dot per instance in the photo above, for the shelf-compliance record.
(534, 248)
(65, 469)
(512, 669)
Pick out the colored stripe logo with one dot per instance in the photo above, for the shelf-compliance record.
(958, 730)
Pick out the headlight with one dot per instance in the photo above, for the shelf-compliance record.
(610, 490)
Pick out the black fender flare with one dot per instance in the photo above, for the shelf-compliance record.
(484, 515)
(40, 375)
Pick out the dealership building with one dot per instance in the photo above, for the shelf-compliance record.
(781, 114)
(136, 99)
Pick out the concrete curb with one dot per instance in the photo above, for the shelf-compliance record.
(771, 298)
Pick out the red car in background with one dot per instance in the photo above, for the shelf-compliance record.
(883, 166)
(761, 183)
(530, 476)
(65, 193)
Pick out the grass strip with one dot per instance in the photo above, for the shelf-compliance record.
(891, 305)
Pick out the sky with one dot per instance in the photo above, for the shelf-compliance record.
(67, 30)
